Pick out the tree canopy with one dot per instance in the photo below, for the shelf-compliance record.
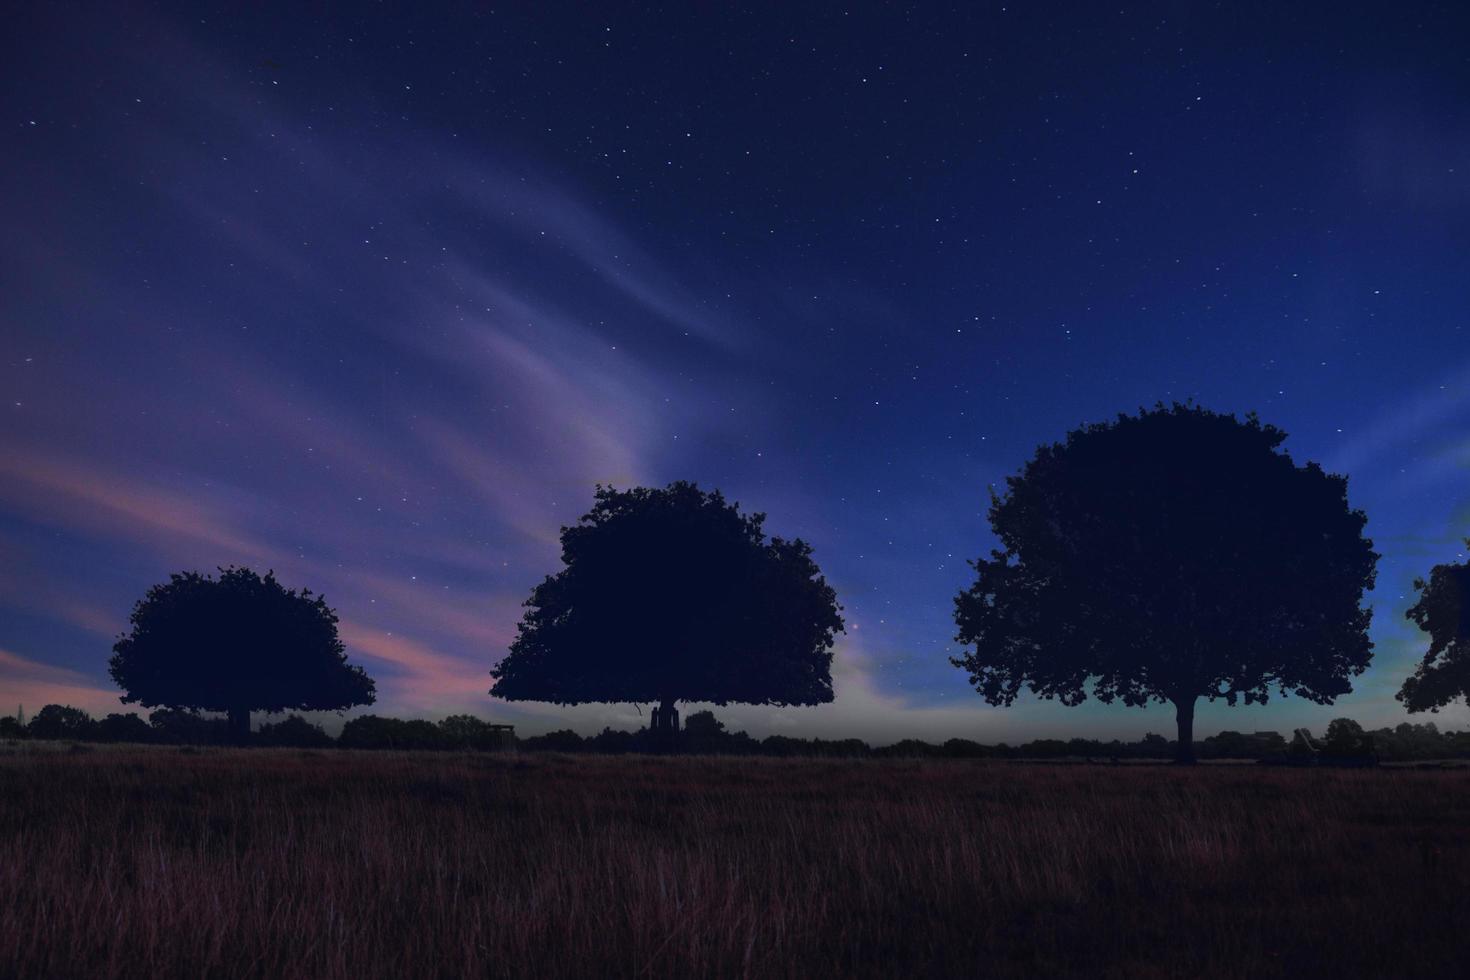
(1169, 556)
(238, 643)
(1443, 611)
(60, 721)
(674, 595)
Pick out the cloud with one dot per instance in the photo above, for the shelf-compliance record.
(425, 680)
(30, 682)
(78, 494)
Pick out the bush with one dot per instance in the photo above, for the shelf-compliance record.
(375, 732)
(469, 732)
(964, 748)
(293, 731)
(174, 726)
(123, 728)
(61, 721)
(1346, 740)
(1303, 747)
(703, 724)
(562, 740)
(612, 742)
(909, 748)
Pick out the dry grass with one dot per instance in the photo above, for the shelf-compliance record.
(281, 863)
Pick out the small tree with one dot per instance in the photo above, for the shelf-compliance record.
(674, 595)
(57, 721)
(175, 726)
(469, 732)
(1169, 556)
(236, 644)
(1345, 739)
(703, 724)
(561, 740)
(1443, 611)
(374, 732)
(295, 732)
(123, 728)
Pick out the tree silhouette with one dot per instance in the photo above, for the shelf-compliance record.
(1345, 739)
(704, 724)
(293, 731)
(61, 721)
(674, 595)
(1443, 611)
(1166, 557)
(236, 644)
(122, 728)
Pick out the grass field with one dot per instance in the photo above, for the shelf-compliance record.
(283, 863)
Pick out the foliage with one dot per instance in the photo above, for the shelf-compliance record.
(235, 644)
(703, 724)
(469, 732)
(1345, 739)
(672, 594)
(1408, 741)
(1303, 746)
(909, 748)
(176, 726)
(1443, 611)
(293, 731)
(562, 740)
(123, 728)
(11, 728)
(60, 721)
(964, 748)
(706, 735)
(375, 732)
(1238, 745)
(1169, 556)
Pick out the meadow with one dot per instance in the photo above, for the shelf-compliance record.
(145, 862)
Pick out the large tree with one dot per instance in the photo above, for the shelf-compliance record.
(1443, 611)
(674, 595)
(236, 644)
(1169, 556)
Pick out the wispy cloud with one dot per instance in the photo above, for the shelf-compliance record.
(32, 683)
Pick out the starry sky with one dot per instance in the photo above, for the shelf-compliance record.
(375, 298)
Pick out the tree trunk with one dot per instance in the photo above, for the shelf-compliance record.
(665, 718)
(1184, 714)
(665, 725)
(239, 725)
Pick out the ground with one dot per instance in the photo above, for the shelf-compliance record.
(285, 863)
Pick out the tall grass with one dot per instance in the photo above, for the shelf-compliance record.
(280, 863)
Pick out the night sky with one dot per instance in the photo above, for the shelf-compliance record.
(375, 300)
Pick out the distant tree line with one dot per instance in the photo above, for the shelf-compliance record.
(1345, 741)
(704, 734)
(171, 726)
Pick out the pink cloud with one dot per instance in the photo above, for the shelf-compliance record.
(31, 683)
(424, 678)
(72, 494)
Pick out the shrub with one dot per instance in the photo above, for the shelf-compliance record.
(61, 721)
(123, 728)
(1346, 739)
(469, 732)
(293, 731)
(174, 726)
(562, 740)
(375, 732)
